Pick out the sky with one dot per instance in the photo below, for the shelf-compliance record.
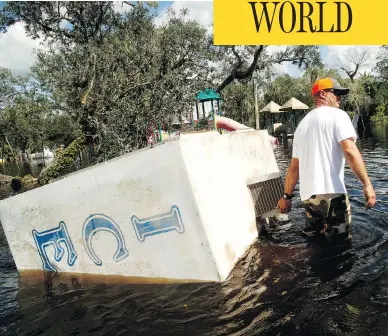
(17, 49)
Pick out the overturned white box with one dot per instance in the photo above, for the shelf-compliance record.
(184, 211)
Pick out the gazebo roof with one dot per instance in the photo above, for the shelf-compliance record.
(293, 104)
(271, 107)
(208, 94)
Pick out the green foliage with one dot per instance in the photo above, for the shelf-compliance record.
(358, 100)
(27, 180)
(313, 73)
(6, 87)
(378, 85)
(64, 162)
(285, 87)
(138, 75)
(30, 121)
(382, 64)
(109, 75)
(240, 62)
(238, 103)
(6, 152)
(366, 93)
(380, 116)
(64, 21)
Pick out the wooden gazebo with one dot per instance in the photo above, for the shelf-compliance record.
(271, 107)
(293, 105)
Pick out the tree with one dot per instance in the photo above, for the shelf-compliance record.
(358, 99)
(354, 59)
(312, 74)
(382, 64)
(31, 122)
(240, 62)
(116, 74)
(138, 76)
(65, 21)
(238, 103)
(378, 86)
(7, 87)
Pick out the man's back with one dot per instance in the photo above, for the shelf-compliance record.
(317, 146)
(322, 141)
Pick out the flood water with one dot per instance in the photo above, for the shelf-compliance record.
(285, 285)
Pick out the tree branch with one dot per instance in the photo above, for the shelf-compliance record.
(235, 74)
(123, 94)
(49, 29)
(237, 56)
(129, 4)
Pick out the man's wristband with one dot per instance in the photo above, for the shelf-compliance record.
(287, 196)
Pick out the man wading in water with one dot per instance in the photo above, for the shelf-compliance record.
(322, 142)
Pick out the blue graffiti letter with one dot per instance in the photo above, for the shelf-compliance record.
(55, 237)
(169, 221)
(99, 222)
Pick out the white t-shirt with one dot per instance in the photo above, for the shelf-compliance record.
(317, 146)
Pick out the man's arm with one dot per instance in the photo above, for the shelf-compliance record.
(356, 164)
(292, 177)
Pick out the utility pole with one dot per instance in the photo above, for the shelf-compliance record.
(255, 101)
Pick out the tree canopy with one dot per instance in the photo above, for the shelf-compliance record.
(110, 75)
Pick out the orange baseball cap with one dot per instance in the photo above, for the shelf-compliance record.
(329, 83)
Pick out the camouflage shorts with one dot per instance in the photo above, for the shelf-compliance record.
(328, 214)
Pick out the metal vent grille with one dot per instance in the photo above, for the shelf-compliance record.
(266, 195)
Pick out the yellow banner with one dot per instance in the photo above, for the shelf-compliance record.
(351, 22)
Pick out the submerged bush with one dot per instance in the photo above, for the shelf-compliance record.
(64, 162)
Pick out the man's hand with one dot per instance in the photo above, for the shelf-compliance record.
(356, 163)
(284, 205)
(292, 177)
(370, 196)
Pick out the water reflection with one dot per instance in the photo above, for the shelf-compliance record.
(284, 286)
(22, 168)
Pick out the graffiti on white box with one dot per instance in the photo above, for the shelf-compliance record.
(170, 221)
(59, 237)
(97, 223)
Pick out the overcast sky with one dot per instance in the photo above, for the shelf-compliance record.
(17, 50)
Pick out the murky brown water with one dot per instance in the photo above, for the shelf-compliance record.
(285, 286)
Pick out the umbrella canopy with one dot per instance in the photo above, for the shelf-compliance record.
(271, 107)
(293, 104)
